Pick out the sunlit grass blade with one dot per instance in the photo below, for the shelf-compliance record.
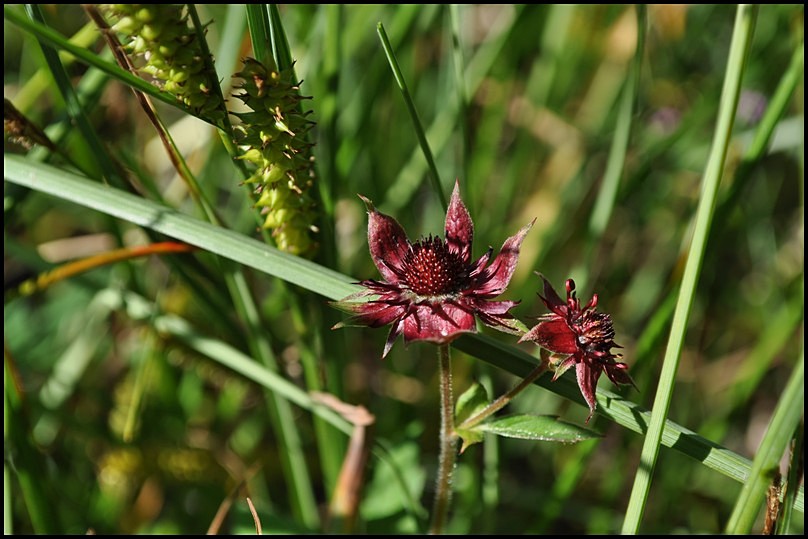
(90, 136)
(84, 55)
(741, 40)
(277, 36)
(440, 131)
(258, 23)
(416, 121)
(334, 285)
(784, 420)
(33, 88)
(607, 194)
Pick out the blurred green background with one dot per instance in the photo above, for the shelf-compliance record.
(127, 431)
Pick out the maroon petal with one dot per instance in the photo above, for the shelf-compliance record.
(459, 228)
(387, 241)
(494, 280)
(562, 364)
(395, 331)
(551, 299)
(494, 308)
(618, 374)
(371, 314)
(588, 383)
(554, 335)
(438, 323)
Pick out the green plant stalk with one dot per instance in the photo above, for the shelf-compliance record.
(24, 458)
(604, 204)
(74, 108)
(268, 38)
(506, 398)
(766, 463)
(778, 104)
(258, 23)
(293, 464)
(448, 444)
(460, 87)
(54, 39)
(763, 133)
(31, 91)
(796, 469)
(146, 354)
(440, 132)
(277, 37)
(741, 40)
(334, 285)
(416, 121)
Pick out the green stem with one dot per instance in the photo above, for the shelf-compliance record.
(416, 121)
(448, 444)
(741, 39)
(503, 401)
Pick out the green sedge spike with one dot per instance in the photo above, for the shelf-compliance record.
(166, 47)
(272, 137)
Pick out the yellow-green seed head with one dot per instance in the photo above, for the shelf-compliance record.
(273, 138)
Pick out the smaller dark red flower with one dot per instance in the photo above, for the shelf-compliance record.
(432, 291)
(579, 336)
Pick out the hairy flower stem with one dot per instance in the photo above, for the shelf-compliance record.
(448, 444)
(503, 401)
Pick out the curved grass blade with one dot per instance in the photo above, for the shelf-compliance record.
(334, 285)
(416, 121)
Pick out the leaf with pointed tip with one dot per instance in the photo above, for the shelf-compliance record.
(470, 403)
(538, 427)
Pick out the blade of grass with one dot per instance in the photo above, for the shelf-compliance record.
(277, 37)
(796, 469)
(330, 449)
(416, 121)
(333, 285)
(766, 463)
(741, 39)
(23, 457)
(139, 308)
(231, 34)
(54, 39)
(607, 194)
(460, 88)
(258, 23)
(399, 195)
(29, 94)
(74, 108)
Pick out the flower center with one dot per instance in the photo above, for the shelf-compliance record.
(430, 269)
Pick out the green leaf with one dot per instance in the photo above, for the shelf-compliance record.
(470, 403)
(538, 427)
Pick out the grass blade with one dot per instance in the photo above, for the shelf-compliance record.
(416, 121)
(785, 419)
(54, 39)
(741, 39)
(334, 285)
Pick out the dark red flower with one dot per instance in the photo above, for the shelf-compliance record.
(431, 290)
(580, 337)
